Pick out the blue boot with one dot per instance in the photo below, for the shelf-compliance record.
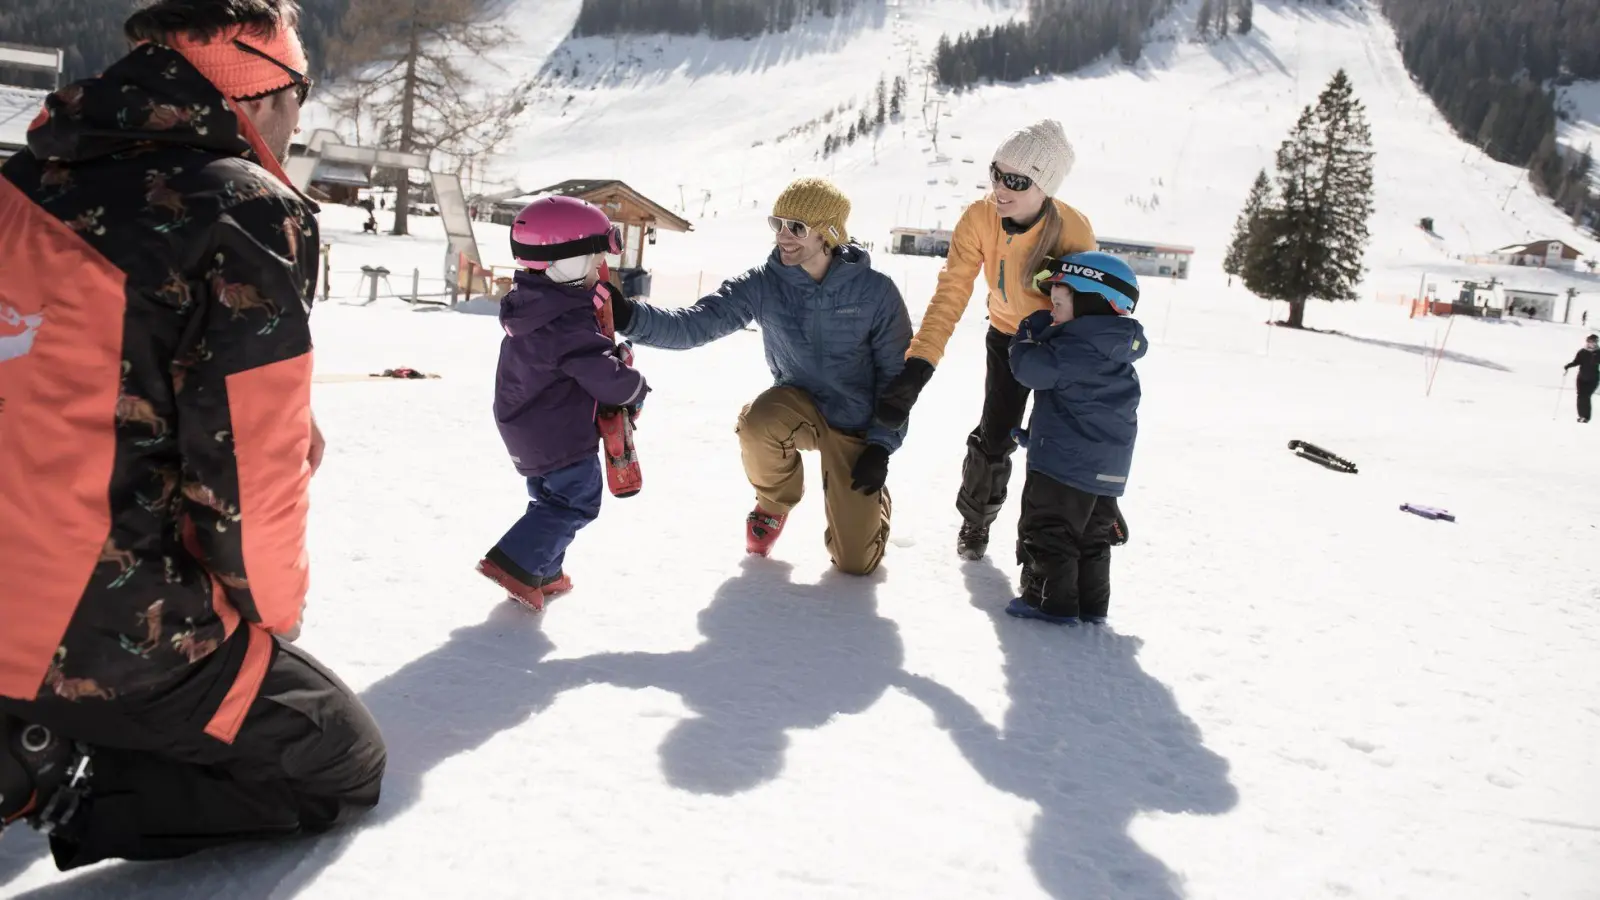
(1020, 609)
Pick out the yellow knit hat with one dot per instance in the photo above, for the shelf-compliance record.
(819, 204)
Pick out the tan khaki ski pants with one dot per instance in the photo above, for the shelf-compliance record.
(772, 430)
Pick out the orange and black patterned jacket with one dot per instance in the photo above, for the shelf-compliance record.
(155, 387)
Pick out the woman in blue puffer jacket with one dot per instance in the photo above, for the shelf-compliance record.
(835, 333)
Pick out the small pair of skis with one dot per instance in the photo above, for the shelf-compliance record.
(623, 475)
(1322, 457)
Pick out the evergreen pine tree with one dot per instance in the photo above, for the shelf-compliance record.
(883, 102)
(1202, 23)
(1545, 169)
(1575, 196)
(1131, 43)
(1310, 243)
(1486, 132)
(1246, 14)
(1238, 249)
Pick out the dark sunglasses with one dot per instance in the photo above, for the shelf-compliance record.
(796, 227)
(302, 84)
(1011, 180)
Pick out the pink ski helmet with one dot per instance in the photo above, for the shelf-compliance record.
(552, 229)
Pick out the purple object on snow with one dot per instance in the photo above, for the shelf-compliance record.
(1428, 512)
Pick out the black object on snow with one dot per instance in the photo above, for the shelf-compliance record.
(1306, 450)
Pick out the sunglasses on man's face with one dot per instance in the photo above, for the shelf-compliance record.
(302, 83)
(1011, 180)
(795, 227)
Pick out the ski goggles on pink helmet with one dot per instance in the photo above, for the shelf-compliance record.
(539, 256)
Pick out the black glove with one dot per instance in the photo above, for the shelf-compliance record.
(1119, 531)
(621, 311)
(633, 409)
(894, 404)
(1028, 329)
(871, 469)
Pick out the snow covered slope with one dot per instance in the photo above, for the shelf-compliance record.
(1166, 151)
(1305, 692)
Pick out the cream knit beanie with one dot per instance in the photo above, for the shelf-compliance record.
(1041, 151)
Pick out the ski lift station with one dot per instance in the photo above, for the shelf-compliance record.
(1491, 300)
(920, 241)
(1150, 259)
(1147, 258)
(19, 105)
(18, 108)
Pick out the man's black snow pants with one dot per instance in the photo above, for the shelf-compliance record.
(1585, 397)
(307, 757)
(1064, 547)
(987, 470)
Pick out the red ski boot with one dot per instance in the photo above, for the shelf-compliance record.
(526, 594)
(553, 586)
(761, 531)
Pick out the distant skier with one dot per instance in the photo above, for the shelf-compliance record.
(1007, 235)
(1078, 359)
(556, 368)
(1587, 361)
(835, 331)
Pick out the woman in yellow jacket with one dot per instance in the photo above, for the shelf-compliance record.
(1007, 234)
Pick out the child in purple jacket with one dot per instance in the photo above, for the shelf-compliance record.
(556, 370)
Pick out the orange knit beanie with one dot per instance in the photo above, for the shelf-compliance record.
(240, 75)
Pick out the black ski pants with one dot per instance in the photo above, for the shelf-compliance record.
(1585, 397)
(986, 472)
(1064, 547)
(308, 757)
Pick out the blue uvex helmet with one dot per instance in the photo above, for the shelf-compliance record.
(1094, 273)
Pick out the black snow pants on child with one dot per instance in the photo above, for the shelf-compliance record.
(1064, 547)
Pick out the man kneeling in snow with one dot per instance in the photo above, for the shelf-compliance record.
(156, 453)
(835, 332)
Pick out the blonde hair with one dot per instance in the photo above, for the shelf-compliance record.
(1049, 237)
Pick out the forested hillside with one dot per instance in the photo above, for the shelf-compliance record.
(90, 32)
(718, 18)
(1056, 37)
(1490, 66)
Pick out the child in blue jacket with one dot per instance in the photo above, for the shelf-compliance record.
(1078, 359)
